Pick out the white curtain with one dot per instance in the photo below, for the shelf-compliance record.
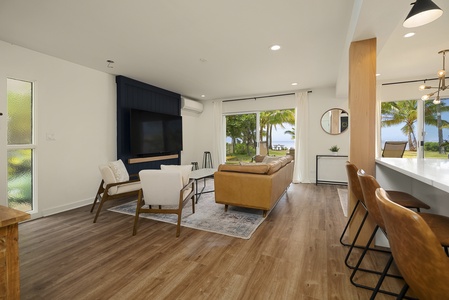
(301, 172)
(219, 153)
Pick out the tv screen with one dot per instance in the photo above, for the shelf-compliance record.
(154, 133)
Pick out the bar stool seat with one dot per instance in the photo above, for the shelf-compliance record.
(439, 225)
(407, 200)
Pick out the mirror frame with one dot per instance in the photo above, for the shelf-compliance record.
(340, 129)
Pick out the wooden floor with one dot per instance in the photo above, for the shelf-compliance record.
(294, 254)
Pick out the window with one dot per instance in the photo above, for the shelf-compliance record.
(20, 145)
(400, 120)
(266, 132)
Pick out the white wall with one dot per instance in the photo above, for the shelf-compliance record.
(321, 100)
(75, 104)
(198, 134)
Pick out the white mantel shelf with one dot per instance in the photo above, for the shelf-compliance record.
(432, 171)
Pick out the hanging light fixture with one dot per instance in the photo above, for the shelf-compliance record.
(422, 12)
(441, 82)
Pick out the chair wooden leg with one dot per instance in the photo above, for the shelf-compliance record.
(136, 217)
(136, 220)
(226, 207)
(103, 200)
(98, 195)
(178, 226)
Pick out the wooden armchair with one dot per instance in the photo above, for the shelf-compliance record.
(165, 190)
(115, 184)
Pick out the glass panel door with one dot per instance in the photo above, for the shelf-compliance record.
(277, 131)
(240, 138)
(436, 127)
(20, 144)
(266, 133)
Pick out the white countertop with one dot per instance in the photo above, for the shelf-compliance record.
(432, 171)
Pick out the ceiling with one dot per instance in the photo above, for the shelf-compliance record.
(221, 49)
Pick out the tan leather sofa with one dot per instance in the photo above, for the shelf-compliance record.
(254, 185)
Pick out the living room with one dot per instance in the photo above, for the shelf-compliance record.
(75, 110)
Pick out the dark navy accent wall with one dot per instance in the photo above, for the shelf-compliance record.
(133, 94)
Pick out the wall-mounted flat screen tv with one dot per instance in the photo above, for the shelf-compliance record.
(154, 133)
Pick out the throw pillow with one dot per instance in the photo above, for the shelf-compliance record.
(185, 171)
(119, 170)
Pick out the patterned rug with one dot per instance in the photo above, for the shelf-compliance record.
(209, 216)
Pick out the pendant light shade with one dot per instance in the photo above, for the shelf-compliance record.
(422, 12)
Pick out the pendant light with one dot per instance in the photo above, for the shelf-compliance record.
(422, 12)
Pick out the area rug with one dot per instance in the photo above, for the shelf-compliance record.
(343, 195)
(236, 222)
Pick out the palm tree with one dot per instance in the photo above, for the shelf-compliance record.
(394, 113)
(269, 120)
(291, 132)
(433, 117)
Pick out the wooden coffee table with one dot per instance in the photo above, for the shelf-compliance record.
(202, 174)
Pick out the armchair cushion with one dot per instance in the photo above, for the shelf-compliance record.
(119, 170)
(185, 171)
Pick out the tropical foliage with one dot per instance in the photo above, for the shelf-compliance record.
(241, 129)
(406, 112)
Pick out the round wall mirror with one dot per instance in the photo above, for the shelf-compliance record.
(335, 121)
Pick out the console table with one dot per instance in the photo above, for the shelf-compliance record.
(9, 252)
(317, 180)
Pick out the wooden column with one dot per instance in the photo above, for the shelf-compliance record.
(362, 113)
(9, 252)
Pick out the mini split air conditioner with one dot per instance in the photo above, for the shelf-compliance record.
(191, 105)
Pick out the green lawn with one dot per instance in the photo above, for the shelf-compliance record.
(427, 154)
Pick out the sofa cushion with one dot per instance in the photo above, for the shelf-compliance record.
(274, 166)
(249, 168)
(285, 159)
(268, 159)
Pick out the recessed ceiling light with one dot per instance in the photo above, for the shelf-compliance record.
(202, 96)
(410, 34)
(294, 83)
(378, 74)
(275, 47)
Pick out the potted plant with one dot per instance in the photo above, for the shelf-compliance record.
(334, 149)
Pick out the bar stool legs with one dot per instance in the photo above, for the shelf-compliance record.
(207, 160)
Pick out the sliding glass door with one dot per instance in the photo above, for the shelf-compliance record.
(436, 128)
(266, 133)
